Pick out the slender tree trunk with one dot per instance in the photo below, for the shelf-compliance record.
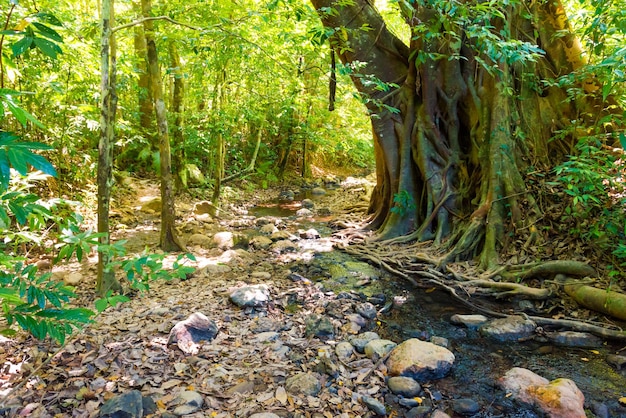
(106, 280)
(178, 94)
(169, 239)
(144, 94)
(220, 146)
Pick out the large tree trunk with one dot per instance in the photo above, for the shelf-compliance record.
(169, 239)
(106, 280)
(455, 129)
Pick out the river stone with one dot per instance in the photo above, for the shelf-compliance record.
(188, 402)
(366, 310)
(308, 204)
(224, 240)
(200, 240)
(286, 195)
(344, 351)
(281, 235)
(404, 386)
(438, 413)
(188, 333)
(303, 383)
(375, 406)
(260, 242)
(318, 191)
(304, 213)
(251, 296)
(376, 349)
(441, 341)
(574, 339)
(559, 398)
(310, 233)
(470, 321)
(129, 405)
(420, 360)
(418, 412)
(360, 341)
(617, 361)
(465, 406)
(152, 205)
(512, 328)
(284, 246)
(319, 326)
(268, 229)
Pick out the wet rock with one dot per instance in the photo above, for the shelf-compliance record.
(375, 406)
(200, 240)
(188, 402)
(366, 310)
(574, 339)
(284, 246)
(309, 233)
(465, 406)
(360, 341)
(470, 321)
(376, 349)
(224, 240)
(404, 386)
(512, 328)
(127, 405)
(418, 412)
(268, 229)
(304, 213)
(344, 351)
(408, 402)
(559, 398)
(251, 296)
(318, 191)
(286, 196)
(319, 326)
(440, 341)
(420, 360)
(618, 362)
(190, 332)
(308, 204)
(260, 242)
(303, 383)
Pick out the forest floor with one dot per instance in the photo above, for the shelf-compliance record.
(245, 369)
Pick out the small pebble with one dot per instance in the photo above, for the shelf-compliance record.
(465, 406)
(404, 386)
(374, 405)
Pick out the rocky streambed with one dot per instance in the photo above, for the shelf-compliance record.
(276, 323)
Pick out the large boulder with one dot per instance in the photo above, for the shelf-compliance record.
(512, 328)
(559, 398)
(420, 360)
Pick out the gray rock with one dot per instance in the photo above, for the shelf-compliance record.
(284, 246)
(443, 342)
(438, 413)
(600, 410)
(268, 229)
(574, 339)
(470, 321)
(465, 406)
(127, 405)
(512, 328)
(308, 204)
(344, 351)
(281, 235)
(188, 333)
(303, 383)
(404, 386)
(318, 191)
(268, 336)
(319, 326)
(366, 310)
(617, 361)
(251, 296)
(260, 242)
(212, 270)
(420, 360)
(376, 349)
(304, 213)
(188, 402)
(286, 196)
(309, 233)
(418, 412)
(360, 341)
(357, 319)
(224, 240)
(375, 406)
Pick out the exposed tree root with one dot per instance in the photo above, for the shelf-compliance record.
(416, 266)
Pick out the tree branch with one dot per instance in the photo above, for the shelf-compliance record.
(146, 19)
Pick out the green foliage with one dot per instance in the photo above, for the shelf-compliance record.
(404, 203)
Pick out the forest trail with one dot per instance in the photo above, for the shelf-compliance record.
(282, 355)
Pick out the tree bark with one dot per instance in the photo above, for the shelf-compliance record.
(455, 129)
(169, 240)
(106, 280)
(178, 94)
(144, 93)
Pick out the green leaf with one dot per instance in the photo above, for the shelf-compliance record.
(47, 47)
(22, 45)
(48, 32)
(10, 295)
(49, 18)
(622, 140)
